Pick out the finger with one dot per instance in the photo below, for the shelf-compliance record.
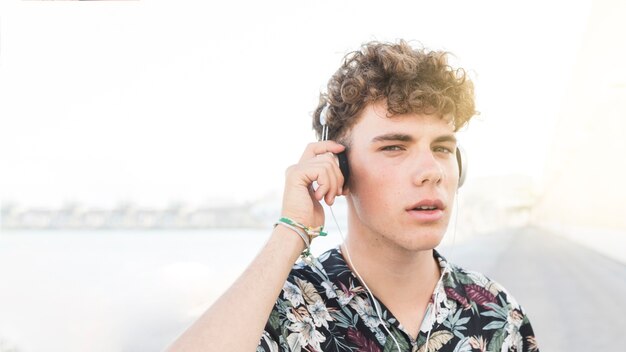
(336, 177)
(317, 148)
(325, 181)
(321, 175)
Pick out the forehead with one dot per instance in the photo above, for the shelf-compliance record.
(374, 120)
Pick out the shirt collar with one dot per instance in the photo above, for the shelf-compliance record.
(347, 285)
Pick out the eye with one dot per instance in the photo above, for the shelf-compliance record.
(392, 148)
(442, 149)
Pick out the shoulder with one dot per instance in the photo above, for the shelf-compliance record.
(487, 310)
(316, 278)
(480, 289)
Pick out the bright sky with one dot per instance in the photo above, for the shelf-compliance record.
(158, 101)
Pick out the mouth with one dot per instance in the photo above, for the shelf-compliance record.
(427, 210)
(427, 205)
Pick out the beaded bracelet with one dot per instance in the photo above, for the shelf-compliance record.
(304, 237)
(306, 233)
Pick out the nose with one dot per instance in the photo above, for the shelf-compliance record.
(427, 169)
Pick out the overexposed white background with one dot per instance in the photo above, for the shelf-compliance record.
(195, 101)
(200, 102)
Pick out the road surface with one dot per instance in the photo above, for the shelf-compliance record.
(574, 296)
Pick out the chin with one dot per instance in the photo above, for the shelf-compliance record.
(420, 242)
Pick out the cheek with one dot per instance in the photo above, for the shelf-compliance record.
(452, 181)
(363, 178)
(375, 189)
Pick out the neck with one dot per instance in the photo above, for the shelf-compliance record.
(404, 283)
(389, 268)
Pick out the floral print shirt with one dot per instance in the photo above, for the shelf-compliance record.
(324, 307)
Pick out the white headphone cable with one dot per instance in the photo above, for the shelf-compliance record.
(376, 305)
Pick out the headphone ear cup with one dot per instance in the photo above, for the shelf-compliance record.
(461, 159)
(343, 166)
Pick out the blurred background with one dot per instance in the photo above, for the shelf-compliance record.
(143, 146)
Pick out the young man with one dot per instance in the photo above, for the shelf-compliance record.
(394, 110)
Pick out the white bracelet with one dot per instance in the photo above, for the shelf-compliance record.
(300, 232)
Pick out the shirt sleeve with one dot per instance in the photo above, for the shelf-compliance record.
(268, 342)
(518, 333)
(529, 343)
(270, 339)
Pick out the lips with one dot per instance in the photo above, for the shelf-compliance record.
(427, 210)
(427, 203)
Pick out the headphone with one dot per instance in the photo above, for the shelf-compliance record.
(461, 157)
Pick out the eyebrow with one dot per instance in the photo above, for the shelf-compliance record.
(446, 138)
(401, 137)
(393, 137)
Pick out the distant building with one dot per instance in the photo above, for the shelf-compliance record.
(128, 216)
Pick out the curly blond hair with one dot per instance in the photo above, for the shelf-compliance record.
(409, 80)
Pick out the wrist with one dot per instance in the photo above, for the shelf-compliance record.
(306, 220)
(306, 233)
(289, 240)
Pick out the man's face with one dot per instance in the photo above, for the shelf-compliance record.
(397, 164)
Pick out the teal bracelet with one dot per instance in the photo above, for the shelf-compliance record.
(306, 233)
(312, 232)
